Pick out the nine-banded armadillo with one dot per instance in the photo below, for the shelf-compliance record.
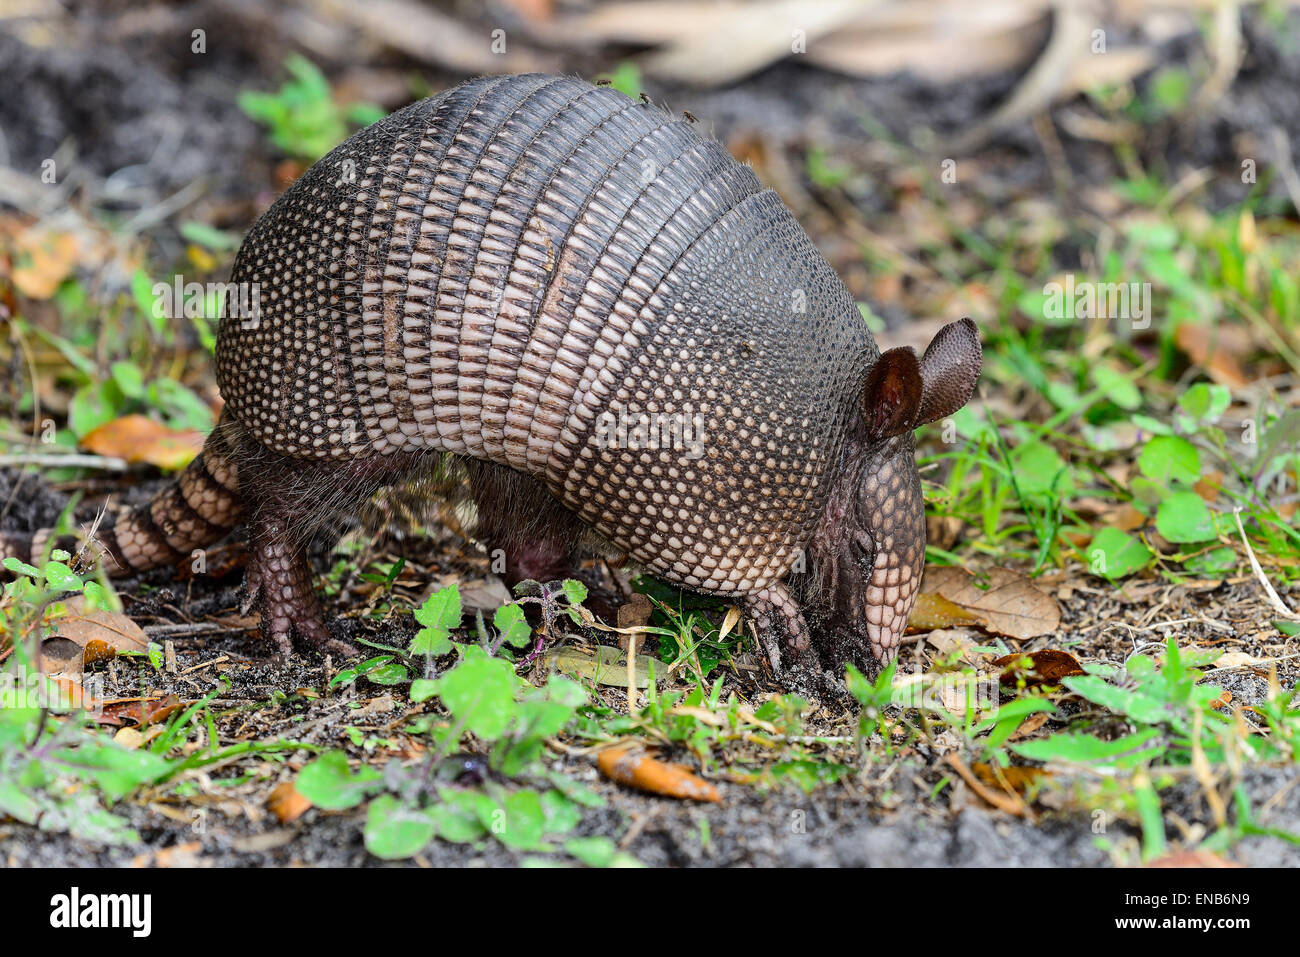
(618, 329)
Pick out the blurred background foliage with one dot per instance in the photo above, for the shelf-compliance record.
(949, 158)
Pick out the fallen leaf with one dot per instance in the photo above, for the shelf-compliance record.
(715, 42)
(606, 666)
(1004, 601)
(634, 768)
(486, 595)
(941, 531)
(1191, 859)
(42, 260)
(952, 691)
(162, 710)
(286, 803)
(1017, 778)
(635, 612)
(948, 641)
(61, 656)
(1007, 801)
(1044, 667)
(129, 738)
(934, 611)
(138, 438)
(940, 55)
(181, 855)
(1235, 659)
(99, 634)
(1218, 349)
(1030, 725)
(380, 705)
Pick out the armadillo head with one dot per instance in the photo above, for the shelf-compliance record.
(869, 547)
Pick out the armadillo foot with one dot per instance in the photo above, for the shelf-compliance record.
(280, 576)
(778, 622)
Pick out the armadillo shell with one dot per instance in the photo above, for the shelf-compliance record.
(556, 277)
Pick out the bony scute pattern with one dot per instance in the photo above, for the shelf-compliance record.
(618, 329)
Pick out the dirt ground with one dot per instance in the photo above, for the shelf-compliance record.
(889, 815)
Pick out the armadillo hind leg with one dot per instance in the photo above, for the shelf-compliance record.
(280, 577)
(779, 623)
(529, 535)
(287, 500)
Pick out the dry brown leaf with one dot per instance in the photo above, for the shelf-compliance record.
(42, 260)
(100, 634)
(1235, 659)
(486, 595)
(138, 438)
(1122, 515)
(1007, 801)
(431, 36)
(161, 710)
(1191, 859)
(717, 42)
(286, 803)
(129, 738)
(941, 531)
(136, 738)
(634, 768)
(1044, 667)
(533, 9)
(1209, 486)
(1016, 778)
(1008, 604)
(948, 641)
(179, 855)
(1030, 725)
(934, 611)
(635, 612)
(1217, 349)
(983, 45)
(604, 665)
(61, 656)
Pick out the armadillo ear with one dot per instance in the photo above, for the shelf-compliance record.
(891, 395)
(949, 370)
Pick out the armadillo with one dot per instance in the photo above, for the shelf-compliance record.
(614, 325)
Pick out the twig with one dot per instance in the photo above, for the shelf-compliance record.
(1278, 605)
(73, 460)
(168, 631)
(1290, 178)
(1253, 664)
(1010, 803)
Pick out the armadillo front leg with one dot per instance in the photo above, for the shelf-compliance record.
(778, 622)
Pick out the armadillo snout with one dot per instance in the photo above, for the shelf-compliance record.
(894, 512)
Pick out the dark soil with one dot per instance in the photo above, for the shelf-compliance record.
(897, 812)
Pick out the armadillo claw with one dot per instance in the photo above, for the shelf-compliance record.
(778, 622)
